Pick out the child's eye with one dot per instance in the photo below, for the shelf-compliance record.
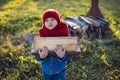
(52, 19)
(46, 20)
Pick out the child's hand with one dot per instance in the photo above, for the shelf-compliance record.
(44, 52)
(60, 51)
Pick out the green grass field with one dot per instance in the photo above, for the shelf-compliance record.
(18, 17)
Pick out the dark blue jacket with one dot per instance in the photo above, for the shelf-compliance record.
(53, 64)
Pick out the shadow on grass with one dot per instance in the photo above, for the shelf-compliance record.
(3, 2)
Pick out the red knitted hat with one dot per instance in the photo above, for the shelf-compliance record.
(51, 13)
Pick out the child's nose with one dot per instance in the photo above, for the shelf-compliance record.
(50, 21)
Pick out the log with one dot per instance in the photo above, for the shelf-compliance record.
(69, 52)
(69, 43)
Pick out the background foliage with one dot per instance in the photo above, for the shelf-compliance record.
(98, 60)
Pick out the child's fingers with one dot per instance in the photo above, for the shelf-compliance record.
(55, 50)
(44, 47)
(40, 51)
(64, 50)
(59, 46)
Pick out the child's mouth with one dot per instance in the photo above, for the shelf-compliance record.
(50, 25)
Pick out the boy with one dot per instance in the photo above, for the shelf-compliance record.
(53, 66)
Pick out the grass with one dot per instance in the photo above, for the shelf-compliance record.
(17, 17)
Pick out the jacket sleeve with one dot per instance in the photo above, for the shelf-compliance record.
(37, 57)
(65, 58)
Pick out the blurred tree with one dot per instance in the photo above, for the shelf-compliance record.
(94, 10)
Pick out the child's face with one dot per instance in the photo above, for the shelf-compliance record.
(50, 23)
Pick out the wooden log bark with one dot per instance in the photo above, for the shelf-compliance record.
(95, 10)
(69, 43)
(69, 52)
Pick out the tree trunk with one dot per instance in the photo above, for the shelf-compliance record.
(95, 10)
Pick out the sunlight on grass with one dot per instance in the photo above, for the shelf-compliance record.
(3, 51)
(117, 34)
(114, 27)
(8, 42)
(13, 49)
(31, 30)
(13, 4)
(18, 7)
(110, 12)
(104, 59)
